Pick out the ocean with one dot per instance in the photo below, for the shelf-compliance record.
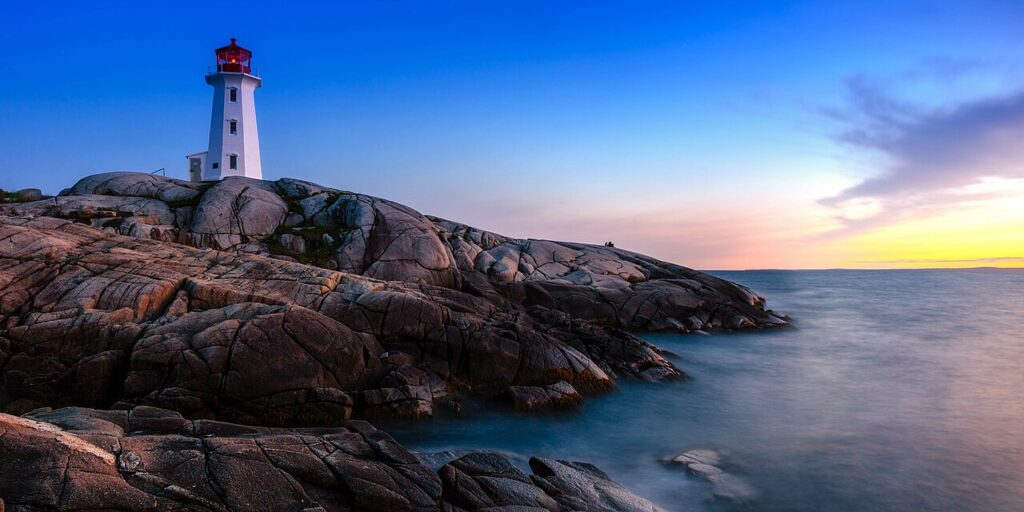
(896, 390)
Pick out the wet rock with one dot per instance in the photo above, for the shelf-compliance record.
(560, 395)
(584, 487)
(704, 464)
(699, 456)
(488, 481)
(481, 481)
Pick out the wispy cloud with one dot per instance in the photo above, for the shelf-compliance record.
(930, 157)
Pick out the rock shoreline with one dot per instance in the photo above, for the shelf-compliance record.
(288, 304)
(146, 459)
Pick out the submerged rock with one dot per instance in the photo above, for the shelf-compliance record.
(704, 464)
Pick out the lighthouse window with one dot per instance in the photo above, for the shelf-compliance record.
(233, 161)
(233, 127)
(233, 94)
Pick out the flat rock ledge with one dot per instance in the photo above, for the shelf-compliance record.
(145, 459)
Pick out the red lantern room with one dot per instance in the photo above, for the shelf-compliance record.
(233, 59)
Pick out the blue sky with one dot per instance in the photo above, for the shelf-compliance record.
(708, 133)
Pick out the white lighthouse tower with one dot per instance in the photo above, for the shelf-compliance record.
(234, 148)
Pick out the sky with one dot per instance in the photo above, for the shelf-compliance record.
(718, 135)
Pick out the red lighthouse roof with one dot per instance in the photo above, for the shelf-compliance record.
(233, 59)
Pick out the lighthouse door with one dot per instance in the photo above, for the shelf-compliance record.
(195, 169)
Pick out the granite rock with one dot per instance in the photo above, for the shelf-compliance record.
(143, 289)
(152, 459)
(382, 239)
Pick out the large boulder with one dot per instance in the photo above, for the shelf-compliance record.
(386, 240)
(234, 211)
(254, 363)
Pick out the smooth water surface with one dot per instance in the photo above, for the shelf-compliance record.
(896, 391)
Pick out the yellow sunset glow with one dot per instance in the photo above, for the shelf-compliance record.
(989, 233)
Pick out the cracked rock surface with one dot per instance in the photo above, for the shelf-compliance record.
(373, 237)
(140, 289)
(143, 459)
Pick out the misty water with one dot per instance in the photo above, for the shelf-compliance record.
(895, 391)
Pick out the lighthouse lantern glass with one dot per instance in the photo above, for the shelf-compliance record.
(233, 59)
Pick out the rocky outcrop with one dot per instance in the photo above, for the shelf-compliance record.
(152, 459)
(316, 304)
(288, 304)
(373, 237)
(94, 319)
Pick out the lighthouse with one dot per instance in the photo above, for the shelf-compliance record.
(234, 148)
